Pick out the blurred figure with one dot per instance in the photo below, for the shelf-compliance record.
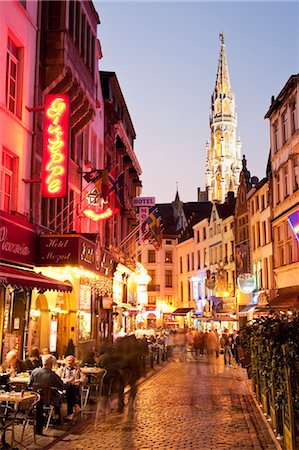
(91, 359)
(34, 360)
(129, 351)
(180, 341)
(227, 342)
(211, 343)
(13, 364)
(218, 343)
(190, 342)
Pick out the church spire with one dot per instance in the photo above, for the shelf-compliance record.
(223, 164)
(222, 80)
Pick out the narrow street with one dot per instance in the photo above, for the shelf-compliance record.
(192, 405)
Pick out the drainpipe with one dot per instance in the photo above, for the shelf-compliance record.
(33, 212)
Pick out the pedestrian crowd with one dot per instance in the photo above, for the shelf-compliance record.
(123, 362)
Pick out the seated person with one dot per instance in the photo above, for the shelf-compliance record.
(46, 351)
(72, 378)
(91, 359)
(45, 377)
(34, 359)
(13, 364)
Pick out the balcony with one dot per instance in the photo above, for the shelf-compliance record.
(153, 287)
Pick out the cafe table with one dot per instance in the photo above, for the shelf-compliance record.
(91, 370)
(16, 398)
(21, 378)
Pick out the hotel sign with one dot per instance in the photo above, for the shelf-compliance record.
(70, 250)
(56, 146)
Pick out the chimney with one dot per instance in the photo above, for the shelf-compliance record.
(230, 198)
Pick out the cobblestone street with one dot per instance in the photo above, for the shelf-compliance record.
(192, 405)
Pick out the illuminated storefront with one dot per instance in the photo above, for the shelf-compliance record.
(80, 318)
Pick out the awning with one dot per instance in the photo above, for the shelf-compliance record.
(19, 278)
(246, 310)
(285, 301)
(223, 319)
(181, 311)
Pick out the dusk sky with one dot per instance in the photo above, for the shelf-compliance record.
(165, 55)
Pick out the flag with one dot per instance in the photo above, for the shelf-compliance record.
(93, 176)
(116, 190)
(102, 184)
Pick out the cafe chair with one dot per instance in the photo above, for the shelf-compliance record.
(94, 381)
(45, 399)
(7, 423)
(26, 415)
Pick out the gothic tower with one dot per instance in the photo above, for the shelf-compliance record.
(223, 164)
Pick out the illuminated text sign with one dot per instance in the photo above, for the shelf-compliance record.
(56, 144)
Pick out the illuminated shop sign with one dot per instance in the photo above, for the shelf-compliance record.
(246, 283)
(294, 223)
(56, 145)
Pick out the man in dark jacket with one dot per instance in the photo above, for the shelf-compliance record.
(45, 377)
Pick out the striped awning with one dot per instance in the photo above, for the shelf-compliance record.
(27, 279)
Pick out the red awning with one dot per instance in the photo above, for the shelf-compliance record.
(285, 301)
(19, 278)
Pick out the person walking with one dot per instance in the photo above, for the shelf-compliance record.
(227, 342)
(211, 344)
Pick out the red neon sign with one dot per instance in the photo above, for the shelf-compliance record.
(56, 145)
(93, 215)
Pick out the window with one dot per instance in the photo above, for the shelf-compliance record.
(8, 177)
(152, 300)
(181, 264)
(277, 188)
(284, 127)
(83, 36)
(182, 291)
(293, 117)
(258, 234)
(168, 278)
(225, 229)
(54, 15)
(198, 259)
(290, 251)
(188, 263)
(275, 137)
(168, 242)
(71, 17)
(296, 174)
(205, 257)
(192, 261)
(152, 274)
(204, 233)
(197, 236)
(262, 202)
(169, 299)
(225, 252)
(189, 291)
(280, 245)
(264, 232)
(13, 78)
(257, 203)
(232, 225)
(168, 256)
(151, 256)
(286, 182)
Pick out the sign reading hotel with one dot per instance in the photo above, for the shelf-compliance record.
(56, 146)
(144, 201)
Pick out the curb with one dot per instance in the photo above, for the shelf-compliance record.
(259, 409)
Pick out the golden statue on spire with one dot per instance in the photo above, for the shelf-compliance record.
(221, 36)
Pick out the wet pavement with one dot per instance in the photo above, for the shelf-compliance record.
(199, 404)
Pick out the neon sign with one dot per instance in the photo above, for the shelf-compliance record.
(93, 215)
(56, 144)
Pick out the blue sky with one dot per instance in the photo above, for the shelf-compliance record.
(165, 55)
